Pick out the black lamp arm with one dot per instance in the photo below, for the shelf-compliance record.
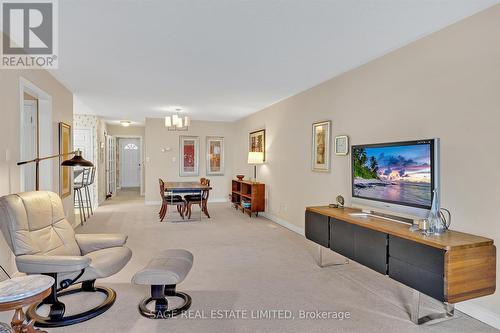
(36, 160)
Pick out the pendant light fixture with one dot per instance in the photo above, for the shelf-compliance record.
(176, 122)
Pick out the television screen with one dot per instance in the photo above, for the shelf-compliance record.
(400, 173)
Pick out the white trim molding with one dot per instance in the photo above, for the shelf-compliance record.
(284, 223)
(480, 313)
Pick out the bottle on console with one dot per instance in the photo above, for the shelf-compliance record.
(436, 224)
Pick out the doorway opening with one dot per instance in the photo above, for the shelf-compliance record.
(83, 140)
(129, 164)
(35, 136)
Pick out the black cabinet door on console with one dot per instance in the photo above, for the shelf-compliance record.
(370, 248)
(419, 266)
(317, 228)
(342, 238)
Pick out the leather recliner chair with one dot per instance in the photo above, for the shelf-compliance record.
(43, 241)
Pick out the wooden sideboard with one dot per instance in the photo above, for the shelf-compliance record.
(248, 191)
(451, 268)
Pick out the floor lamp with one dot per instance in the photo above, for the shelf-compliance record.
(77, 160)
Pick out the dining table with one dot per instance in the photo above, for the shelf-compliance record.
(183, 188)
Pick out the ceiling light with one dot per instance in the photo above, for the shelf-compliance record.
(176, 122)
(125, 123)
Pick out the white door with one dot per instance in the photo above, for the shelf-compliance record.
(130, 162)
(111, 165)
(28, 145)
(83, 141)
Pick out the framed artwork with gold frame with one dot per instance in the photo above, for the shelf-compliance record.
(321, 139)
(215, 156)
(64, 150)
(257, 142)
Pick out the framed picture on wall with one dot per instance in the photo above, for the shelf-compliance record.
(215, 156)
(189, 156)
(321, 138)
(341, 145)
(64, 149)
(257, 142)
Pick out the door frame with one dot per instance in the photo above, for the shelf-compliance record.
(107, 163)
(46, 143)
(141, 157)
(24, 144)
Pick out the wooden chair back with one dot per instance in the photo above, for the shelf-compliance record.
(162, 188)
(204, 195)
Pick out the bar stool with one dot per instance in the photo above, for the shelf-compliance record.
(87, 185)
(78, 197)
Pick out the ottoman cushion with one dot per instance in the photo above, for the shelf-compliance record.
(168, 267)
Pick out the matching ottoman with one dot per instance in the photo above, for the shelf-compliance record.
(163, 273)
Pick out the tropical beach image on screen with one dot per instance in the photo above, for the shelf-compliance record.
(393, 173)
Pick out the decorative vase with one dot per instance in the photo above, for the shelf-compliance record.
(436, 225)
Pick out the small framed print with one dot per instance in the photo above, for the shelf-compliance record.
(257, 142)
(215, 156)
(341, 145)
(321, 139)
(189, 156)
(64, 151)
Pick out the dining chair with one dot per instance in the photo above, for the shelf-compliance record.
(173, 200)
(199, 199)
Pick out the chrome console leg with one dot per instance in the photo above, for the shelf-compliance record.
(320, 263)
(433, 317)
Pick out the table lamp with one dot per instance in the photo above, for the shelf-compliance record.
(255, 158)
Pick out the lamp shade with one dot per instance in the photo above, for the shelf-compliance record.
(168, 121)
(77, 160)
(255, 157)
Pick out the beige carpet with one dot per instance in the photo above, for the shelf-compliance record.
(247, 265)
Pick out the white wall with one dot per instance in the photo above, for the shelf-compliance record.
(446, 85)
(166, 165)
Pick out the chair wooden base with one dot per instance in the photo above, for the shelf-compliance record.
(181, 209)
(203, 208)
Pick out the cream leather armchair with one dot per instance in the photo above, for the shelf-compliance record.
(43, 241)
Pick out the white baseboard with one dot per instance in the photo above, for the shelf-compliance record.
(284, 223)
(480, 313)
(157, 203)
(217, 200)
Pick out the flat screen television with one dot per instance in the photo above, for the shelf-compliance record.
(398, 177)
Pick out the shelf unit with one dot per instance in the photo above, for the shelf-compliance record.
(250, 192)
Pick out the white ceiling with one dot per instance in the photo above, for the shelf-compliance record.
(225, 59)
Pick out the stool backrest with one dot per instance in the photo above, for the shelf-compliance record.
(92, 176)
